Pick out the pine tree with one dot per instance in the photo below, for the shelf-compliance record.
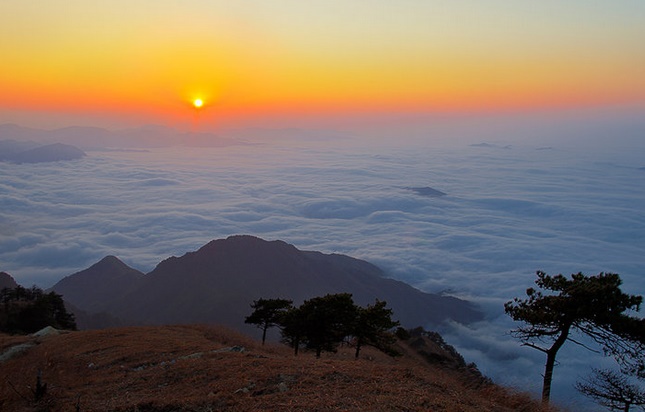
(268, 313)
(372, 328)
(589, 305)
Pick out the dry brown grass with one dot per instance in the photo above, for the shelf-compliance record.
(177, 368)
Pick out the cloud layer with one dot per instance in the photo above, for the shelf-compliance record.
(507, 213)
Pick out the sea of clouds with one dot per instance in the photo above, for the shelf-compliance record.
(508, 211)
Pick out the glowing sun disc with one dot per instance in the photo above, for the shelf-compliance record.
(198, 103)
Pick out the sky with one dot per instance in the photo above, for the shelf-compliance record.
(135, 62)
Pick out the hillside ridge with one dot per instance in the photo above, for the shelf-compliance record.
(205, 368)
(218, 282)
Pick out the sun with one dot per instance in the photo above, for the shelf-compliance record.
(198, 103)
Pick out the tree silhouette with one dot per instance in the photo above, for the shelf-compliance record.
(268, 313)
(329, 320)
(321, 323)
(612, 389)
(590, 305)
(372, 328)
(49, 310)
(29, 310)
(293, 328)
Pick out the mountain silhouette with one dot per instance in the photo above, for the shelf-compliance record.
(49, 153)
(95, 137)
(218, 282)
(30, 152)
(97, 287)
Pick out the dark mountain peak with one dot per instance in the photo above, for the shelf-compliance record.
(237, 249)
(246, 244)
(6, 281)
(93, 288)
(248, 240)
(108, 268)
(216, 284)
(109, 262)
(249, 255)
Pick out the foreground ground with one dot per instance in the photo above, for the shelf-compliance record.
(200, 368)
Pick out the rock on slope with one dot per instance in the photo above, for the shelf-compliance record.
(6, 281)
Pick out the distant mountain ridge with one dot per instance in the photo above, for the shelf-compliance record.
(96, 137)
(218, 282)
(32, 152)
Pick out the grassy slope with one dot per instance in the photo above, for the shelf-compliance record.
(175, 368)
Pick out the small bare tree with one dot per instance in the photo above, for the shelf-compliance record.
(613, 390)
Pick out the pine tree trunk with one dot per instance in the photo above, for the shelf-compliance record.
(550, 362)
(548, 376)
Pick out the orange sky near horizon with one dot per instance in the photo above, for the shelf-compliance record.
(149, 60)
